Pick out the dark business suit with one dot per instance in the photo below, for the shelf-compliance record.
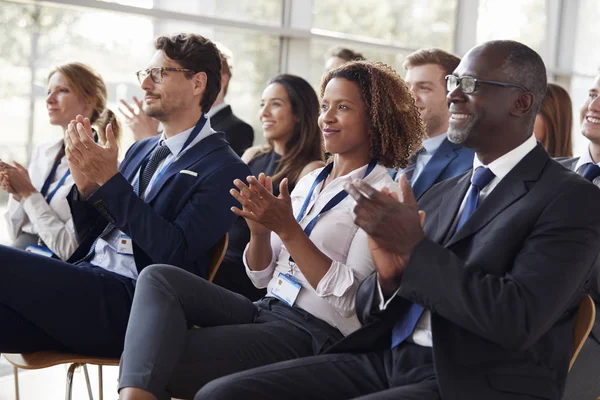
(239, 134)
(583, 381)
(503, 292)
(449, 160)
(50, 304)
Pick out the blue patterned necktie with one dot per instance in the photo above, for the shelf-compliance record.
(591, 172)
(407, 323)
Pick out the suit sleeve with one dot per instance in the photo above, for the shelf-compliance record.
(546, 278)
(203, 220)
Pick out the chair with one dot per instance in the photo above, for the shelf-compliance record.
(50, 358)
(586, 314)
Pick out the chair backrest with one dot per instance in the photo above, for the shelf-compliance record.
(217, 255)
(586, 314)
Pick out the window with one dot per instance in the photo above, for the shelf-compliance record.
(521, 20)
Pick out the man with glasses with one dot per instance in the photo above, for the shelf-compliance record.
(168, 202)
(480, 303)
(439, 159)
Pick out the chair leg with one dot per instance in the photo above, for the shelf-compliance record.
(69, 388)
(87, 381)
(100, 384)
(16, 374)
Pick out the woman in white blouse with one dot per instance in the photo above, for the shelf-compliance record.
(184, 331)
(38, 215)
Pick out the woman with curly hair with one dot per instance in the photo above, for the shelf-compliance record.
(304, 247)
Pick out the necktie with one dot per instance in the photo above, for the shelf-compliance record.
(158, 154)
(410, 168)
(591, 172)
(407, 323)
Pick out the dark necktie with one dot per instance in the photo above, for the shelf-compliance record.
(158, 154)
(591, 172)
(407, 323)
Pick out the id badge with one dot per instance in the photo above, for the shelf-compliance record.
(42, 251)
(125, 245)
(286, 288)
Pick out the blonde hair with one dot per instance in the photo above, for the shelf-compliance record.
(89, 85)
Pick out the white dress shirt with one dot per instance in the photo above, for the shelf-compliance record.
(586, 158)
(336, 235)
(500, 167)
(105, 251)
(430, 146)
(51, 222)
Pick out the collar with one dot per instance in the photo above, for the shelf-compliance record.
(215, 109)
(504, 164)
(175, 143)
(586, 158)
(431, 145)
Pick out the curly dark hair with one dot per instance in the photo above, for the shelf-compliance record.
(395, 125)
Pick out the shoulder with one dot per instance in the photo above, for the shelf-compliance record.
(250, 153)
(311, 166)
(568, 162)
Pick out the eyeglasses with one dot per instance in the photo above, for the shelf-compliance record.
(468, 84)
(156, 73)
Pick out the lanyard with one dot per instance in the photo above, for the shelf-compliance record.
(190, 139)
(50, 178)
(337, 199)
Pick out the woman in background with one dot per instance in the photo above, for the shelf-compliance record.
(288, 112)
(339, 56)
(39, 218)
(554, 122)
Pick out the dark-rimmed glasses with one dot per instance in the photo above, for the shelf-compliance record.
(468, 84)
(156, 73)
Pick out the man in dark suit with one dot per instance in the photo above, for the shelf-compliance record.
(481, 303)
(239, 134)
(168, 203)
(439, 159)
(584, 378)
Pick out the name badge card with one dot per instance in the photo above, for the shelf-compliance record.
(125, 245)
(286, 289)
(42, 251)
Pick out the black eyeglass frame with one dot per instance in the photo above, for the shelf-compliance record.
(156, 73)
(476, 82)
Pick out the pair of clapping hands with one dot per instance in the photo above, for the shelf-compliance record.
(394, 226)
(14, 179)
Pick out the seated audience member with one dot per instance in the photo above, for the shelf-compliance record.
(339, 56)
(289, 110)
(304, 247)
(239, 134)
(38, 215)
(141, 125)
(554, 122)
(183, 179)
(481, 303)
(439, 159)
(583, 381)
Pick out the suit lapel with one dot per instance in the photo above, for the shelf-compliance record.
(510, 189)
(451, 202)
(192, 156)
(438, 162)
(145, 149)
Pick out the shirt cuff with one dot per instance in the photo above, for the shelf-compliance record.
(259, 278)
(336, 281)
(383, 304)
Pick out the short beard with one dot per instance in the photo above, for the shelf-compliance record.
(154, 113)
(460, 136)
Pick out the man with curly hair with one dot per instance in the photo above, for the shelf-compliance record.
(480, 302)
(439, 159)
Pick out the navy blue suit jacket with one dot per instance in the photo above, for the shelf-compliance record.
(181, 218)
(449, 160)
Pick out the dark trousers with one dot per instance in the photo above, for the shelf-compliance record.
(185, 332)
(405, 373)
(48, 304)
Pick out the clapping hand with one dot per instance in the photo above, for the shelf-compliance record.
(142, 126)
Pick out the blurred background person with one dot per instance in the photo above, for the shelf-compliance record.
(38, 215)
(339, 56)
(288, 111)
(554, 123)
(239, 134)
(141, 125)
